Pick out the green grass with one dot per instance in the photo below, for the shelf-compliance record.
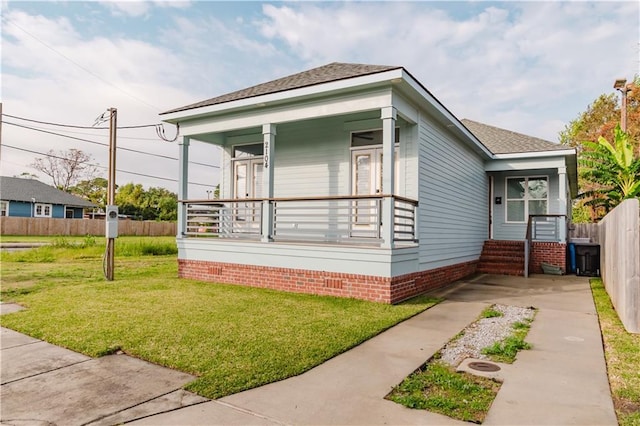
(438, 388)
(490, 312)
(507, 349)
(232, 337)
(622, 353)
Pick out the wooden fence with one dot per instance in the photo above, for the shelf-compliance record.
(620, 261)
(47, 226)
(584, 230)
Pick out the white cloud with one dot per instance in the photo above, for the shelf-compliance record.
(530, 57)
(44, 85)
(139, 8)
(128, 8)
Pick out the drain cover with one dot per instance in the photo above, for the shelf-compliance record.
(483, 366)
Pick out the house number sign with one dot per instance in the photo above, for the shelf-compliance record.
(266, 154)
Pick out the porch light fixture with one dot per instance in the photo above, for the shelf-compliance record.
(621, 85)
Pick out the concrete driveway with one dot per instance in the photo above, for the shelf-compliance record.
(562, 380)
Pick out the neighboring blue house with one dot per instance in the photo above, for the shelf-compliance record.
(32, 198)
(354, 180)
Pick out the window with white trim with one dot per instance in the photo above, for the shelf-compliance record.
(526, 196)
(4, 208)
(42, 210)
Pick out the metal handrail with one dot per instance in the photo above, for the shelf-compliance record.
(530, 235)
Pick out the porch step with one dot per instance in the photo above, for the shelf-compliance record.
(502, 257)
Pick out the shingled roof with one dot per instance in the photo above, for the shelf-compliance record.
(331, 72)
(16, 189)
(502, 141)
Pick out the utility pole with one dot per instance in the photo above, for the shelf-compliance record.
(111, 190)
(622, 86)
(1, 120)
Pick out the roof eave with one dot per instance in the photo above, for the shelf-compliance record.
(270, 99)
(535, 154)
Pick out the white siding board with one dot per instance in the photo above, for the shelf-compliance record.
(453, 190)
(340, 259)
(312, 158)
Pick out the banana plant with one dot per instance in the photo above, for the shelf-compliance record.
(613, 168)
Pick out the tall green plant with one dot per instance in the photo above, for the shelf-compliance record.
(614, 168)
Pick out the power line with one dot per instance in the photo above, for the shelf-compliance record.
(78, 65)
(140, 126)
(95, 135)
(104, 144)
(105, 167)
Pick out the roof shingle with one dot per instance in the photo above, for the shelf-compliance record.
(17, 189)
(331, 72)
(502, 141)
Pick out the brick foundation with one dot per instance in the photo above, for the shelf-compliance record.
(551, 253)
(366, 287)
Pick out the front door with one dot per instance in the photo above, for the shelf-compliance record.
(366, 166)
(247, 184)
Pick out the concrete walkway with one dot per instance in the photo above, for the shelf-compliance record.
(562, 380)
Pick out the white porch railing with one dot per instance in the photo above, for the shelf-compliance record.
(546, 228)
(229, 219)
(335, 220)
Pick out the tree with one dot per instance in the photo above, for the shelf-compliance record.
(154, 204)
(600, 120)
(94, 190)
(614, 168)
(66, 168)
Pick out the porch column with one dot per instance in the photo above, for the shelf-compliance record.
(562, 201)
(183, 185)
(388, 116)
(269, 140)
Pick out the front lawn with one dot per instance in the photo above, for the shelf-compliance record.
(233, 338)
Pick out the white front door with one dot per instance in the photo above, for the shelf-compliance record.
(247, 184)
(247, 178)
(366, 166)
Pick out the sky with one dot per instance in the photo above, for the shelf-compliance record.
(530, 67)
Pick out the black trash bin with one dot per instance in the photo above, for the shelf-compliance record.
(588, 260)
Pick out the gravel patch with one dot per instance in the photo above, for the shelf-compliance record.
(484, 332)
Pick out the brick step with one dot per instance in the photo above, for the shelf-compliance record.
(502, 253)
(502, 259)
(499, 243)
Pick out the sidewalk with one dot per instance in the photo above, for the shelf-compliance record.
(562, 380)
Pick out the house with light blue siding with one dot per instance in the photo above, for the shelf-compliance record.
(354, 180)
(32, 198)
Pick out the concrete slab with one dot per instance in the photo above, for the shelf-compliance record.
(9, 308)
(563, 379)
(88, 391)
(209, 413)
(10, 339)
(165, 403)
(29, 360)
